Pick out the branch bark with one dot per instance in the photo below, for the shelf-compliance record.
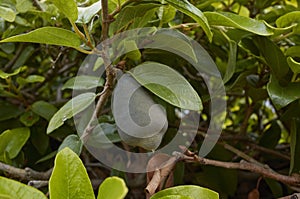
(26, 174)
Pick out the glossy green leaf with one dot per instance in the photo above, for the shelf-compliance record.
(282, 96)
(233, 20)
(294, 66)
(68, 8)
(12, 141)
(14, 190)
(192, 11)
(85, 14)
(167, 84)
(44, 109)
(7, 14)
(295, 146)
(273, 56)
(71, 108)
(73, 142)
(8, 111)
(289, 19)
(134, 16)
(83, 82)
(29, 118)
(69, 179)
(112, 187)
(48, 35)
(187, 190)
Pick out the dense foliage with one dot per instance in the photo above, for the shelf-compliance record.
(254, 43)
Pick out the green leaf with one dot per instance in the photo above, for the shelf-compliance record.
(14, 190)
(29, 118)
(23, 6)
(240, 22)
(282, 96)
(73, 142)
(295, 146)
(132, 49)
(44, 109)
(112, 187)
(12, 141)
(166, 13)
(134, 16)
(103, 135)
(68, 8)
(7, 14)
(273, 56)
(271, 137)
(8, 111)
(173, 41)
(5, 75)
(71, 108)
(175, 197)
(187, 190)
(293, 51)
(230, 69)
(48, 35)
(85, 14)
(30, 79)
(83, 82)
(69, 179)
(167, 84)
(192, 11)
(289, 19)
(294, 66)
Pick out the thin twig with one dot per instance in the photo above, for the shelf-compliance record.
(243, 165)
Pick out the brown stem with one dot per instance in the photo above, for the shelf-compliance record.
(109, 69)
(25, 174)
(243, 165)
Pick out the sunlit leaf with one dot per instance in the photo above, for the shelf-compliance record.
(187, 190)
(48, 35)
(112, 187)
(69, 179)
(12, 189)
